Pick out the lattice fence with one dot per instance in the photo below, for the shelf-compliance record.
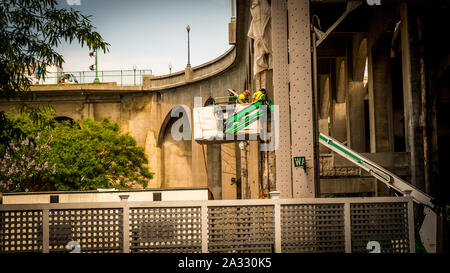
(386, 223)
(228, 226)
(240, 229)
(312, 228)
(165, 230)
(96, 230)
(21, 231)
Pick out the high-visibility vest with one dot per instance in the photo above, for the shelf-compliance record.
(242, 98)
(257, 96)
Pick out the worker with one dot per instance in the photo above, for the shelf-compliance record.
(260, 95)
(244, 97)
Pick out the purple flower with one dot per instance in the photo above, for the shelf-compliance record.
(26, 142)
(45, 165)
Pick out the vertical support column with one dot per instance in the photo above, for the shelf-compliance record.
(380, 99)
(45, 231)
(339, 105)
(88, 110)
(214, 160)
(126, 227)
(412, 242)
(356, 137)
(348, 228)
(253, 169)
(199, 175)
(277, 220)
(228, 171)
(281, 97)
(324, 92)
(412, 97)
(301, 97)
(204, 220)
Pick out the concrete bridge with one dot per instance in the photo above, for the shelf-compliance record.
(377, 115)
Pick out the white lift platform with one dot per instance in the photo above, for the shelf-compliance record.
(428, 229)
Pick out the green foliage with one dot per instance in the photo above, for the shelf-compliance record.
(30, 30)
(82, 155)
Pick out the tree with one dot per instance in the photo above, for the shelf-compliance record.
(30, 31)
(80, 155)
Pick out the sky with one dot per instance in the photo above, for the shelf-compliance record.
(151, 34)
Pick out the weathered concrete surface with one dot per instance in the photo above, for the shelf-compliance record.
(356, 138)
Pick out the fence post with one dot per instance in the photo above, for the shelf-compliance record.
(125, 223)
(277, 219)
(412, 239)
(348, 227)
(204, 223)
(45, 231)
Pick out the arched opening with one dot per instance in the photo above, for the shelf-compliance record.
(64, 119)
(176, 155)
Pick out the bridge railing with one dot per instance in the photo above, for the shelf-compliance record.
(121, 77)
(217, 226)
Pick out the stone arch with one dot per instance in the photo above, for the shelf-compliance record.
(176, 154)
(63, 118)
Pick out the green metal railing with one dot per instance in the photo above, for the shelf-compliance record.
(121, 77)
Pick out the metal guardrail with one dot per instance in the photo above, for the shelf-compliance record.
(236, 226)
(121, 77)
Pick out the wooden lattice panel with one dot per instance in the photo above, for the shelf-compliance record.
(312, 228)
(386, 223)
(20, 231)
(96, 230)
(165, 230)
(243, 229)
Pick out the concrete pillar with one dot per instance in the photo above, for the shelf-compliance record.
(412, 96)
(199, 175)
(324, 128)
(214, 163)
(153, 153)
(380, 103)
(88, 110)
(339, 122)
(380, 98)
(324, 96)
(228, 171)
(253, 169)
(356, 138)
(341, 79)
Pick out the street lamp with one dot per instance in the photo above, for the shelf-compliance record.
(188, 28)
(170, 68)
(91, 54)
(134, 69)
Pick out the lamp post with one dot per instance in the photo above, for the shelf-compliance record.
(188, 28)
(91, 54)
(134, 69)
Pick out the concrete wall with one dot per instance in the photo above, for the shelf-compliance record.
(113, 196)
